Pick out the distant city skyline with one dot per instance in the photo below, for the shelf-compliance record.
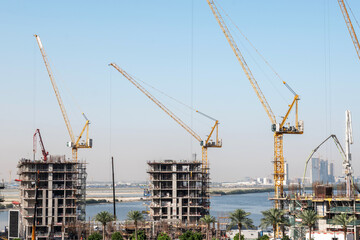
(179, 49)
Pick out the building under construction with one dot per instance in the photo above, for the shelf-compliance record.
(179, 191)
(60, 197)
(327, 201)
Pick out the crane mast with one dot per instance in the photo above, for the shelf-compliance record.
(278, 129)
(75, 144)
(350, 26)
(204, 144)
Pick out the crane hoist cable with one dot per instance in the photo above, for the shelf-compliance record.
(279, 129)
(258, 52)
(204, 144)
(251, 44)
(75, 143)
(172, 98)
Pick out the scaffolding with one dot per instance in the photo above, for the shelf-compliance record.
(327, 201)
(179, 191)
(61, 199)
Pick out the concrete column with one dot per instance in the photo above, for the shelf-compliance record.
(43, 205)
(174, 191)
(50, 196)
(180, 208)
(168, 212)
(56, 206)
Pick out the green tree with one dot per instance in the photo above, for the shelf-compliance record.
(264, 237)
(163, 236)
(186, 235)
(344, 220)
(207, 219)
(140, 235)
(197, 236)
(240, 219)
(104, 217)
(135, 216)
(190, 235)
(236, 237)
(285, 237)
(116, 236)
(95, 236)
(274, 217)
(309, 218)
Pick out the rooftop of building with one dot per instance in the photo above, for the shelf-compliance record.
(55, 159)
(168, 161)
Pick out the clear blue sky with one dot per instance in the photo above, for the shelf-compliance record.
(164, 43)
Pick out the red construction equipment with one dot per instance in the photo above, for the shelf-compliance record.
(44, 152)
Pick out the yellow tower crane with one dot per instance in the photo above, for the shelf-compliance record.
(350, 26)
(75, 144)
(279, 129)
(208, 143)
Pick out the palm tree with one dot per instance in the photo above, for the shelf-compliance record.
(344, 220)
(135, 216)
(207, 219)
(309, 218)
(104, 217)
(274, 217)
(240, 218)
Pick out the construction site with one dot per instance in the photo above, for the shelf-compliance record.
(52, 188)
(52, 196)
(179, 191)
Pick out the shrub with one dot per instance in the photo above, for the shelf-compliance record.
(189, 235)
(264, 237)
(95, 236)
(285, 238)
(236, 237)
(163, 236)
(140, 235)
(117, 236)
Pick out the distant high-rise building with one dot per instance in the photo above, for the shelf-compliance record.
(331, 173)
(321, 171)
(315, 170)
(324, 171)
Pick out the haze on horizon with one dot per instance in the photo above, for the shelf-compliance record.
(178, 48)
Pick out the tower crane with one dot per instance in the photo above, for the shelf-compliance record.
(279, 129)
(75, 143)
(208, 143)
(43, 151)
(350, 26)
